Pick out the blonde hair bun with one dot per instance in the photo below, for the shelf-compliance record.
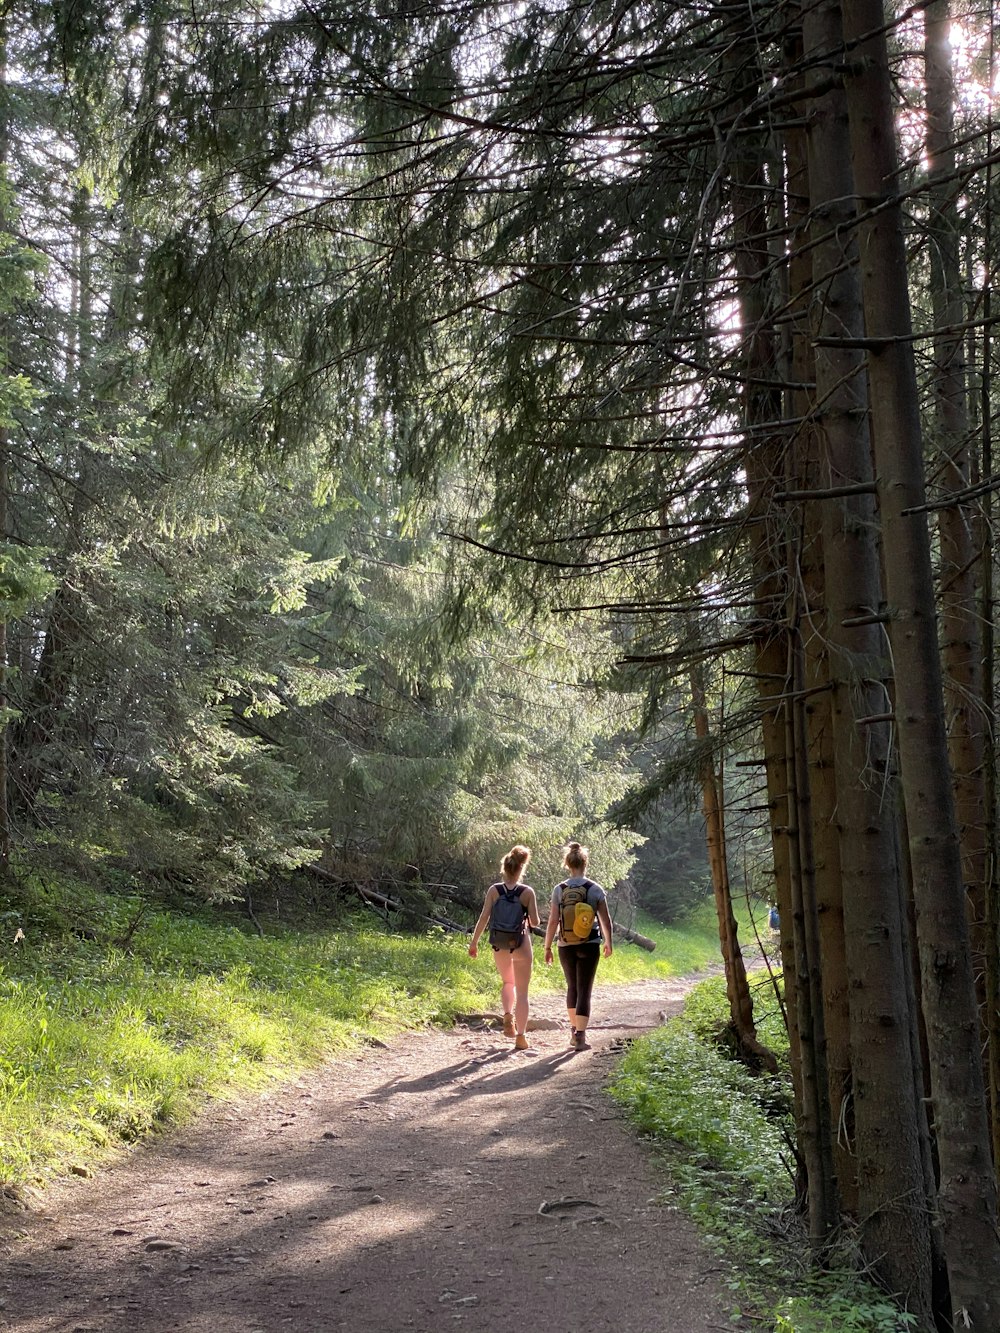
(516, 860)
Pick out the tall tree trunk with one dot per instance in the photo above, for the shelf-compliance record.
(5, 824)
(749, 191)
(764, 478)
(987, 609)
(750, 1049)
(893, 1193)
(36, 735)
(803, 474)
(967, 1195)
(815, 1134)
(961, 649)
(5, 820)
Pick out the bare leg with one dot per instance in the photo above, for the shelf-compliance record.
(504, 960)
(523, 958)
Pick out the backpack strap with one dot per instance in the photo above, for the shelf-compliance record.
(587, 885)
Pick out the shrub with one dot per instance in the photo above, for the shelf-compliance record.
(726, 1136)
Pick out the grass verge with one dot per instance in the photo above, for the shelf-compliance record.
(723, 1134)
(100, 1045)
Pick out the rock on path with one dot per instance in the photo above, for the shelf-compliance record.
(444, 1182)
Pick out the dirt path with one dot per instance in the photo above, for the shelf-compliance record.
(443, 1182)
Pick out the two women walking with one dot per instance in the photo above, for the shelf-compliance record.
(578, 915)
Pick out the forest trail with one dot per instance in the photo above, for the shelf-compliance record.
(398, 1189)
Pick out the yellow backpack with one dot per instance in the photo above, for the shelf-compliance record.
(576, 915)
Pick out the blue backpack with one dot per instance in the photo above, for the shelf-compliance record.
(508, 919)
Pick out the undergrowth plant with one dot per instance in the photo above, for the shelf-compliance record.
(726, 1137)
(118, 1016)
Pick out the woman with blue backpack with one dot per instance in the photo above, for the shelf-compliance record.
(579, 913)
(509, 908)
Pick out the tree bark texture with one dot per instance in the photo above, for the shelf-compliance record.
(5, 824)
(885, 1103)
(987, 609)
(961, 646)
(816, 1131)
(967, 1194)
(737, 989)
(745, 158)
(802, 474)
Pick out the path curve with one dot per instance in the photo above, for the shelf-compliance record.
(442, 1182)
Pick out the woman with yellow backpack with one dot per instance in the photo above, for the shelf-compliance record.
(579, 912)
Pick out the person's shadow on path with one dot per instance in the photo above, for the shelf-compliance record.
(493, 1071)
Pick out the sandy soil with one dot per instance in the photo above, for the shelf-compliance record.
(443, 1182)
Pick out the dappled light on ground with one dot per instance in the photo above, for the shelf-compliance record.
(391, 1190)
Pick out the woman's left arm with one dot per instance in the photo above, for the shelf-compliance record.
(604, 916)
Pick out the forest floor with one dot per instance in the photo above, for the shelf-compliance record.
(443, 1181)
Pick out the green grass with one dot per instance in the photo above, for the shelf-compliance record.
(684, 947)
(100, 1046)
(722, 1133)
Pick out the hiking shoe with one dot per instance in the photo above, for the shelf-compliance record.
(578, 1042)
(520, 1042)
(572, 1036)
(508, 1025)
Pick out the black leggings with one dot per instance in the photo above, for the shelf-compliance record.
(579, 965)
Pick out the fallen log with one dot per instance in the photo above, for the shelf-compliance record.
(633, 937)
(388, 904)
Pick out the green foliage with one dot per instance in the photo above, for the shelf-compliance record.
(706, 1010)
(102, 1045)
(117, 1017)
(676, 1087)
(682, 946)
(671, 874)
(456, 740)
(230, 664)
(139, 734)
(838, 1304)
(251, 646)
(724, 1133)
(24, 580)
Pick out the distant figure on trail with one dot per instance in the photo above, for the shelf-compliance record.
(579, 912)
(509, 908)
(774, 917)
